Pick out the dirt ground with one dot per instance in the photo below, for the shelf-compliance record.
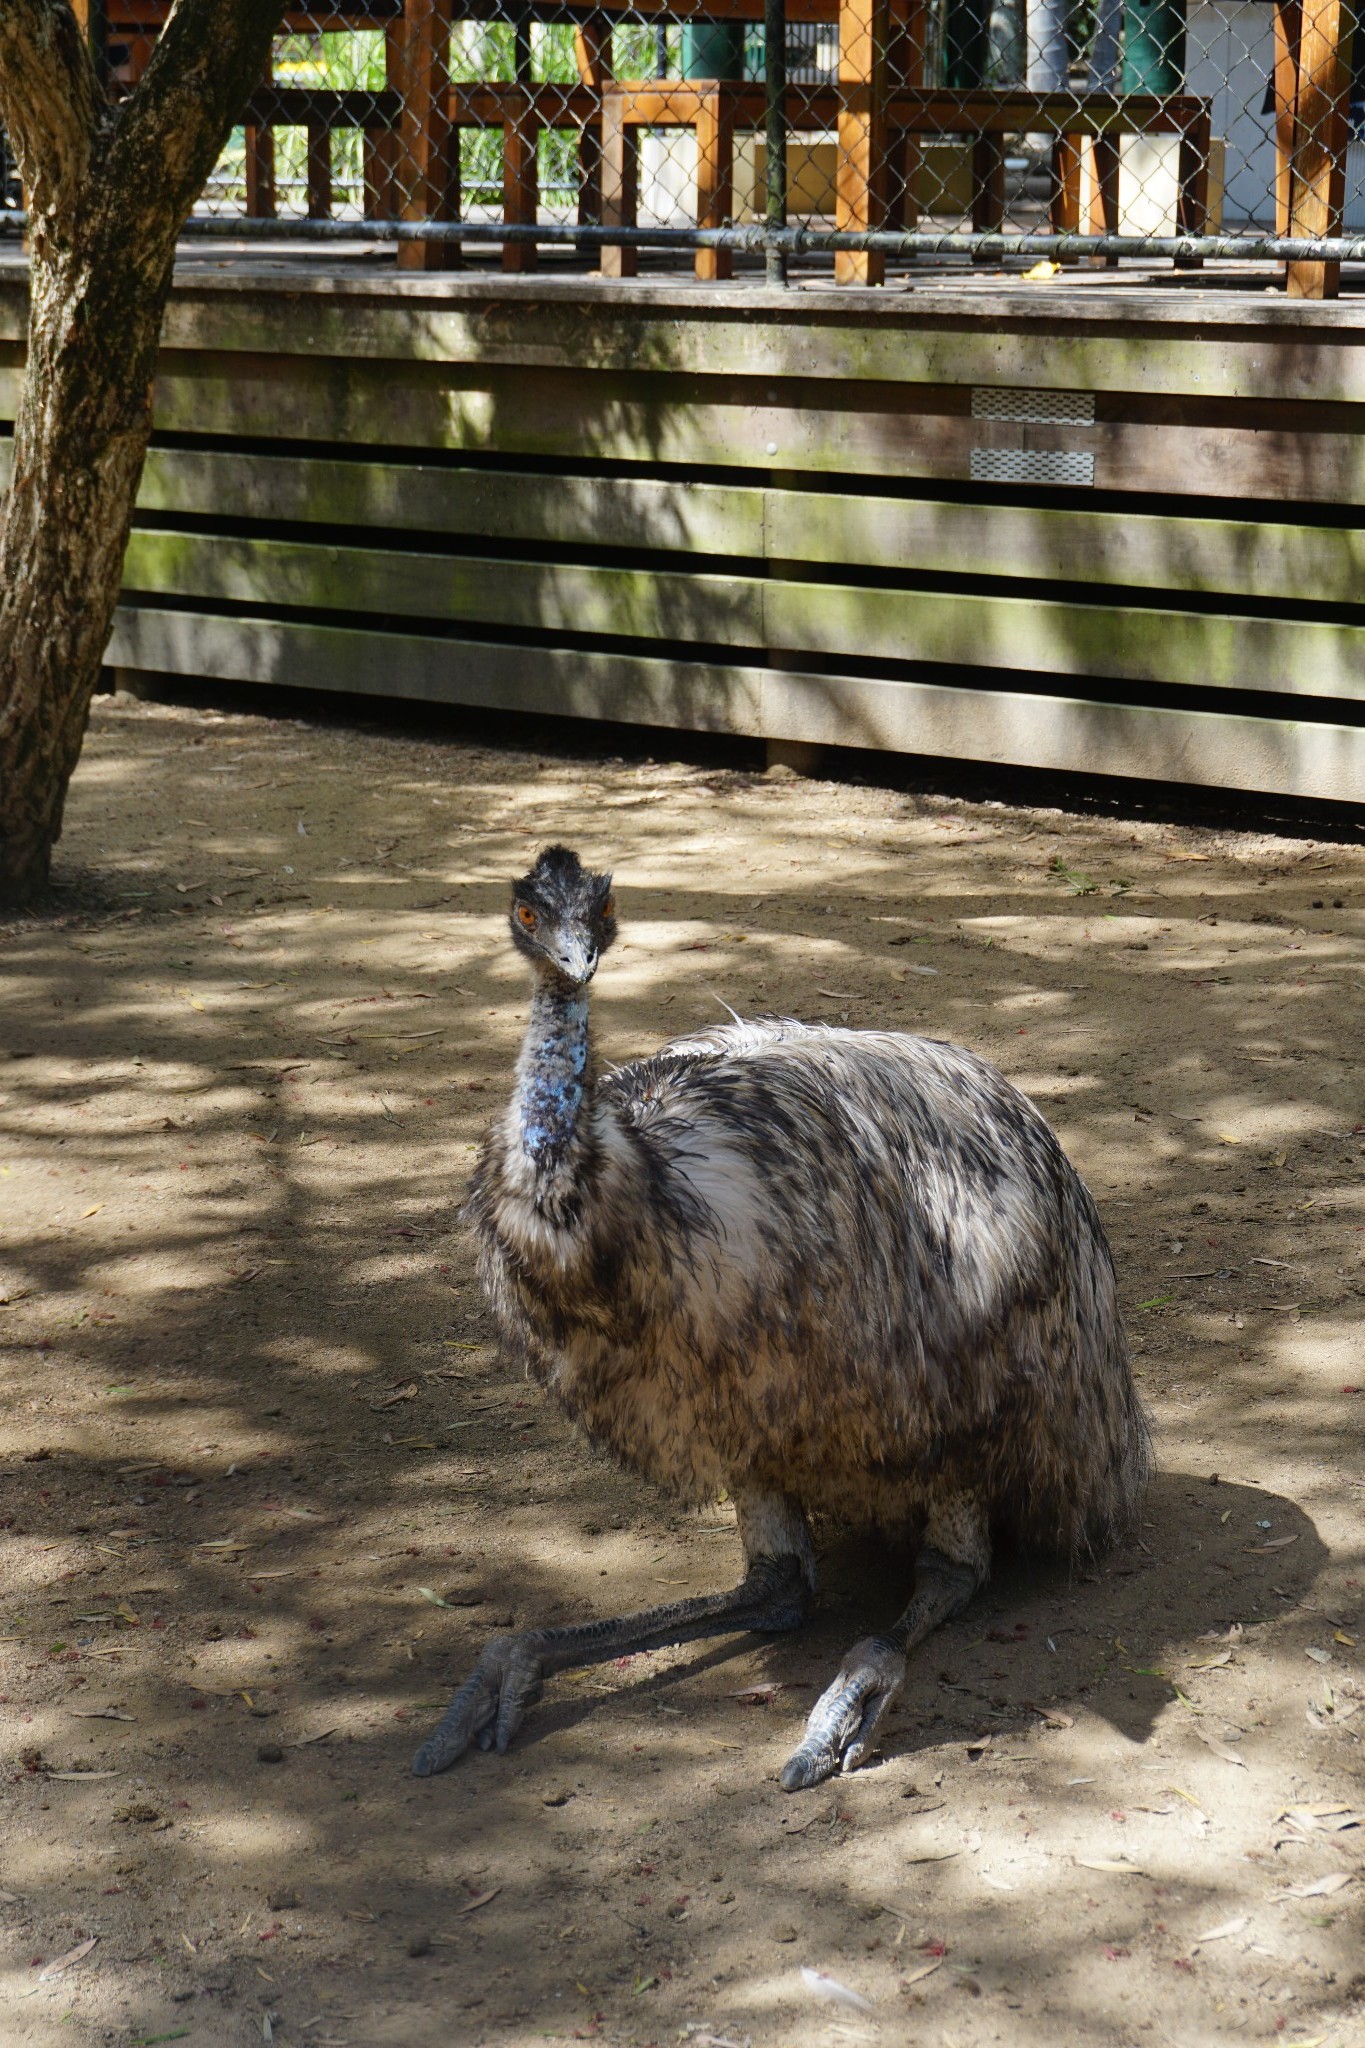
(267, 1489)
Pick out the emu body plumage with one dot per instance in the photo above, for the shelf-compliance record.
(837, 1273)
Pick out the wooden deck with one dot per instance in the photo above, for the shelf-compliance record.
(1106, 526)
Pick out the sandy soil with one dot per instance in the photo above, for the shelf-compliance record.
(266, 1487)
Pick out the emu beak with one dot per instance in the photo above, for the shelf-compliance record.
(577, 961)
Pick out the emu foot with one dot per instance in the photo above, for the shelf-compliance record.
(489, 1707)
(845, 1717)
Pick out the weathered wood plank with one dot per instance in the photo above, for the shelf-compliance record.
(1149, 552)
(693, 423)
(1084, 346)
(1028, 633)
(563, 598)
(1323, 761)
(1145, 551)
(1131, 644)
(550, 510)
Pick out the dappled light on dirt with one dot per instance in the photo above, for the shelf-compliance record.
(268, 1488)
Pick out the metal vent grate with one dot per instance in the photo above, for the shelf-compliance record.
(1035, 408)
(1032, 466)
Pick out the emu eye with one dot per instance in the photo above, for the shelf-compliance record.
(609, 907)
(526, 917)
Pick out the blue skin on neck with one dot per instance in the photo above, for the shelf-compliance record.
(557, 1058)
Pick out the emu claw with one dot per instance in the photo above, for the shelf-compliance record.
(489, 1707)
(845, 1717)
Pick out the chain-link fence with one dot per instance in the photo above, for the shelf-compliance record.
(936, 120)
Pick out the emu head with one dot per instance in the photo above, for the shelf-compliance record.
(563, 918)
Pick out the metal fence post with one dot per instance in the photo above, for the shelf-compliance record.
(775, 128)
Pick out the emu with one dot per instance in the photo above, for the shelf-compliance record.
(845, 1274)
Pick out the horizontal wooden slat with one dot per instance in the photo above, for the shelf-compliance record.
(1121, 643)
(1149, 552)
(1081, 345)
(649, 421)
(1030, 633)
(551, 510)
(1144, 551)
(1323, 761)
(550, 597)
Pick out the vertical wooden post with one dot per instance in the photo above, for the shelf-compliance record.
(262, 198)
(520, 180)
(620, 186)
(859, 190)
(1321, 124)
(715, 177)
(428, 178)
(1285, 83)
(592, 53)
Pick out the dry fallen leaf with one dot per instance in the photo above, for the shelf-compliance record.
(98, 1714)
(83, 1777)
(1117, 1866)
(482, 1900)
(925, 1970)
(73, 1955)
(1226, 1928)
(1316, 1888)
(1223, 1749)
(825, 1986)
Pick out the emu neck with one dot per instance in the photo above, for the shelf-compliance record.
(553, 1079)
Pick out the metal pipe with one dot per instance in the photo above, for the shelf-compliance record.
(756, 240)
(775, 129)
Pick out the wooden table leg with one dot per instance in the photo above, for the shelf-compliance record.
(988, 184)
(379, 156)
(620, 188)
(260, 173)
(319, 170)
(1104, 199)
(1067, 161)
(1192, 216)
(1321, 124)
(520, 186)
(715, 180)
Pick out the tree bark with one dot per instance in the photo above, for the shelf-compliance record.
(108, 192)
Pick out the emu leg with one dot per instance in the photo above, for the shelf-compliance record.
(845, 1717)
(509, 1677)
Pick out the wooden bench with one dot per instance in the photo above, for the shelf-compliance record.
(714, 109)
(1071, 119)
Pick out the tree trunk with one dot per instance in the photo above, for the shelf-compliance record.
(79, 441)
(107, 196)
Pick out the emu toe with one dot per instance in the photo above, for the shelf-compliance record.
(845, 1717)
(489, 1707)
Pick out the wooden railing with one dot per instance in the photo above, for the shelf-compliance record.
(411, 127)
